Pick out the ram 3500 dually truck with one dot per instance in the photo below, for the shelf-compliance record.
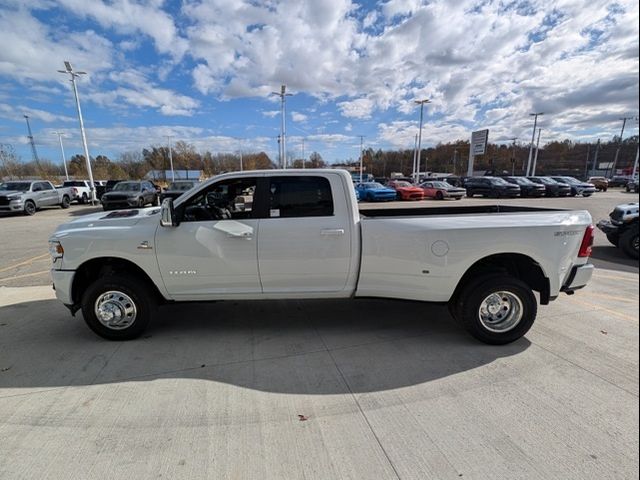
(298, 234)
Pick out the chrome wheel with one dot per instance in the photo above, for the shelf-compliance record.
(115, 310)
(500, 312)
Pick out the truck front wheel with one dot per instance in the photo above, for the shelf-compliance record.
(29, 208)
(496, 309)
(118, 307)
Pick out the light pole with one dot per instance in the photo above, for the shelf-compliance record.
(513, 156)
(361, 159)
(533, 137)
(421, 103)
(283, 144)
(69, 70)
(64, 160)
(615, 159)
(173, 175)
(415, 155)
(303, 153)
(535, 158)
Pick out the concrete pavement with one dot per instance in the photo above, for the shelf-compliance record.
(387, 389)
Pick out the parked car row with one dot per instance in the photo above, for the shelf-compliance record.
(486, 186)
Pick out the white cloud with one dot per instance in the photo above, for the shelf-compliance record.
(298, 117)
(348, 127)
(139, 91)
(270, 113)
(34, 51)
(131, 17)
(359, 108)
(13, 112)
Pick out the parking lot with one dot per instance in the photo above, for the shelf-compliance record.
(321, 389)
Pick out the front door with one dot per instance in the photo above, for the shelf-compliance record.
(214, 249)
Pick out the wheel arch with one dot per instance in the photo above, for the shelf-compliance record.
(516, 264)
(101, 266)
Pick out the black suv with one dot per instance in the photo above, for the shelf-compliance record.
(527, 187)
(494, 187)
(552, 188)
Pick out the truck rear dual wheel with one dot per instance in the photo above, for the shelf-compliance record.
(496, 309)
(118, 307)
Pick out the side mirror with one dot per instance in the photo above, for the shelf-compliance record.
(168, 214)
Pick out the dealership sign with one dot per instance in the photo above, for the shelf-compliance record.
(479, 142)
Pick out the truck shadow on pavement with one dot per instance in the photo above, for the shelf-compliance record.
(613, 258)
(299, 347)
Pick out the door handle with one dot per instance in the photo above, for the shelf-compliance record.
(246, 235)
(332, 232)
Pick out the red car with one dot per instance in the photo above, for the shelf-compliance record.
(405, 190)
(442, 190)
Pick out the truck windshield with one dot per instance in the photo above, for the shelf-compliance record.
(127, 187)
(15, 186)
(180, 186)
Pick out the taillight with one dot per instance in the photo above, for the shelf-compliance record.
(587, 242)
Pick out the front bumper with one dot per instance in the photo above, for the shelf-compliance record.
(129, 202)
(62, 282)
(607, 227)
(13, 206)
(578, 278)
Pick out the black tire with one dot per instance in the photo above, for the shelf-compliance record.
(586, 195)
(65, 202)
(470, 193)
(604, 189)
(629, 242)
(106, 208)
(614, 239)
(84, 199)
(141, 202)
(472, 296)
(139, 293)
(439, 196)
(30, 208)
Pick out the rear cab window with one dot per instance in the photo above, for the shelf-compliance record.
(300, 196)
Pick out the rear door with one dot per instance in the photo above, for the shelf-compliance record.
(305, 235)
(46, 194)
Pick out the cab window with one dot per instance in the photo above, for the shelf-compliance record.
(227, 199)
(302, 196)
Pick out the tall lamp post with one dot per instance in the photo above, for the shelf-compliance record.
(417, 172)
(173, 175)
(535, 157)
(615, 159)
(513, 156)
(69, 71)
(283, 144)
(64, 160)
(533, 138)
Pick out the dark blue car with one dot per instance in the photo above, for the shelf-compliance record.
(375, 192)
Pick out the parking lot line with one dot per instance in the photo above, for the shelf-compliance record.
(6, 279)
(598, 307)
(24, 262)
(611, 297)
(615, 277)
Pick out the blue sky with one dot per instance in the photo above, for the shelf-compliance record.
(202, 71)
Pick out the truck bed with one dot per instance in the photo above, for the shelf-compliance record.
(462, 210)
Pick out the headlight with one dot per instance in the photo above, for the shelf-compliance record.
(55, 249)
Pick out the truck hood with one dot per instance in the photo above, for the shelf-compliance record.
(109, 220)
(6, 193)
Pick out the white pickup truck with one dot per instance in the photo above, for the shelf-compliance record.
(298, 234)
